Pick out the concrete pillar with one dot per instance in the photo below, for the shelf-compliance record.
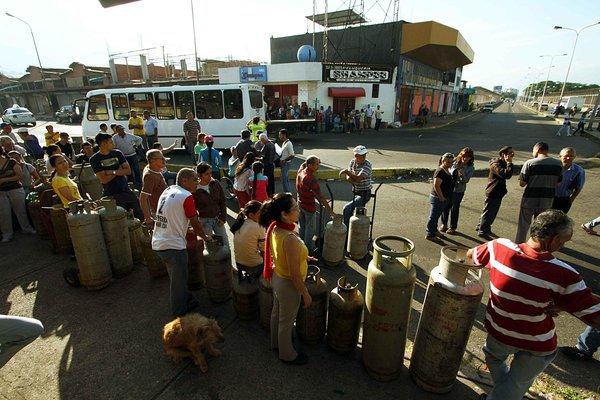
(184, 70)
(113, 71)
(144, 66)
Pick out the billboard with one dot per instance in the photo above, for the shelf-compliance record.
(498, 89)
(253, 74)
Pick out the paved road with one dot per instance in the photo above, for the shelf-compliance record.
(107, 344)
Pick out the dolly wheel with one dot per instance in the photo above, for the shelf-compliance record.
(71, 276)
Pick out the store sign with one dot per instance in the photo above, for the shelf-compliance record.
(253, 74)
(357, 73)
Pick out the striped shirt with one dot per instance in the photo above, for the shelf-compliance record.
(363, 170)
(307, 187)
(523, 283)
(542, 174)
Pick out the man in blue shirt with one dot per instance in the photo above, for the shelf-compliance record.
(151, 129)
(573, 179)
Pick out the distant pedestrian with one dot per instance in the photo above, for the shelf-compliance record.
(136, 125)
(378, 118)
(540, 177)
(573, 179)
(211, 156)
(287, 155)
(128, 145)
(255, 126)
(368, 116)
(191, 128)
(50, 136)
(463, 165)
(150, 129)
(501, 169)
(581, 125)
(441, 191)
(200, 145)
(566, 126)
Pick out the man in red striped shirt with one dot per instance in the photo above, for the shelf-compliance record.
(308, 188)
(527, 287)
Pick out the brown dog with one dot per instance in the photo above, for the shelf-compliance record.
(188, 335)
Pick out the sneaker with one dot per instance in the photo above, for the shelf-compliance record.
(451, 231)
(300, 359)
(29, 231)
(575, 354)
(485, 235)
(7, 238)
(589, 231)
(568, 134)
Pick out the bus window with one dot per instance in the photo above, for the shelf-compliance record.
(209, 104)
(120, 108)
(256, 99)
(97, 110)
(184, 102)
(140, 102)
(164, 105)
(234, 106)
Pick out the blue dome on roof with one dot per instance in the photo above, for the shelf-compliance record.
(306, 53)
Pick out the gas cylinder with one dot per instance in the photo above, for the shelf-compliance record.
(89, 246)
(116, 237)
(390, 284)
(195, 249)
(245, 295)
(134, 227)
(334, 241)
(265, 301)
(358, 236)
(344, 317)
(453, 296)
(88, 180)
(217, 270)
(34, 209)
(62, 237)
(155, 264)
(311, 321)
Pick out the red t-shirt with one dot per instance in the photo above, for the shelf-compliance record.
(307, 188)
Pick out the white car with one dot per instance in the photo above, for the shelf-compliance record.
(488, 108)
(17, 115)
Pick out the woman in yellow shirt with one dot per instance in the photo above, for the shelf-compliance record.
(63, 186)
(286, 267)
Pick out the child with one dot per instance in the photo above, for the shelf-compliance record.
(200, 145)
(258, 182)
(233, 162)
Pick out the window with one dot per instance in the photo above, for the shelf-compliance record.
(256, 99)
(120, 108)
(140, 102)
(97, 111)
(164, 105)
(234, 106)
(184, 102)
(209, 104)
(375, 93)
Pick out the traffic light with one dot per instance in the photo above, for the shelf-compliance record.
(112, 3)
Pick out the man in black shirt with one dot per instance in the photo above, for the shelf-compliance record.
(65, 145)
(87, 152)
(245, 145)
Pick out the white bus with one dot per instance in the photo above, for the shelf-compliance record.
(222, 110)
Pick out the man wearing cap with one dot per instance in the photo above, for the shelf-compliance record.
(137, 124)
(31, 143)
(7, 130)
(358, 174)
(268, 158)
(127, 144)
(151, 128)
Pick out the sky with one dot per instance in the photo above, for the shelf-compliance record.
(508, 37)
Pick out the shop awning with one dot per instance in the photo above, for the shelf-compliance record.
(346, 92)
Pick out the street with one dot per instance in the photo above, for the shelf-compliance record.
(106, 344)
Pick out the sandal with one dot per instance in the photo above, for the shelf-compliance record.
(588, 230)
(451, 231)
(443, 228)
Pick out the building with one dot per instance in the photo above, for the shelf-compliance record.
(399, 66)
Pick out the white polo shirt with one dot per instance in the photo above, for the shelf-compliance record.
(175, 208)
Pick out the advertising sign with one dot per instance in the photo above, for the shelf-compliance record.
(357, 73)
(253, 74)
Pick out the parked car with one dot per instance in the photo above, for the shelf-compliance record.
(535, 104)
(17, 115)
(488, 108)
(69, 113)
(544, 107)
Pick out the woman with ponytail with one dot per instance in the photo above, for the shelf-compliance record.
(258, 182)
(249, 240)
(242, 175)
(285, 267)
(62, 184)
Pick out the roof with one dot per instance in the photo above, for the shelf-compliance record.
(338, 18)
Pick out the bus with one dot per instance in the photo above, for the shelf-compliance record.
(222, 110)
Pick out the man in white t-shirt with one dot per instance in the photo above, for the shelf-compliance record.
(175, 212)
(285, 161)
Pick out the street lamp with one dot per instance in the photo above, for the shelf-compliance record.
(195, 47)
(548, 76)
(37, 54)
(577, 32)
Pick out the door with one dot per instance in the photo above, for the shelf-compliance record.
(341, 104)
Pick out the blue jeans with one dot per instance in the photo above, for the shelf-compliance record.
(16, 333)
(308, 223)
(134, 163)
(589, 341)
(511, 382)
(452, 209)
(437, 208)
(211, 226)
(170, 177)
(360, 200)
(285, 180)
(176, 262)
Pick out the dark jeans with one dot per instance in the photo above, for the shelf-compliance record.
(436, 210)
(151, 140)
(377, 124)
(561, 203)
(360, 199)
(129, 201)
(136, 174)
(453, 209)
(269, 170)
(489, 213)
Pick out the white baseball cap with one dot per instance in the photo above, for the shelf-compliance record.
(23, 130)
(360, 150)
